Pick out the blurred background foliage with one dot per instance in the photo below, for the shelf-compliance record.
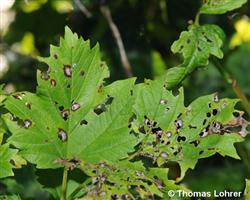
(148, 28)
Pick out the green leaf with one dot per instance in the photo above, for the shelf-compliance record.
(10, 197)
(158, 64)
(72, 117)
(6, 155)
(196, 46)
(172, 132)
(220, 6)
(247, 190)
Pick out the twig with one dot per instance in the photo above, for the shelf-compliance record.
(115, 31)
(232, 81)
(82, 8)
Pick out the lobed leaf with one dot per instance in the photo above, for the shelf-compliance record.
(72, 116)
(196, 45)
(220, 6)
(172, 132)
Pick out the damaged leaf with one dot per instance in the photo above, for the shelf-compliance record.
(173, 132)
(126, 180)
(196, 46)
(50, 131)
(220, 6)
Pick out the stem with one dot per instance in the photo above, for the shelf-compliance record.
(83, 9)
(233, 83)
(197, 19)
(118, 39)
(64, 184)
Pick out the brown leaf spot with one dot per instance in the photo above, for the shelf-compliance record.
(75, 106)
(62, 135)
(27, 123)
(53, 82)
(67, 70)
(65, 114)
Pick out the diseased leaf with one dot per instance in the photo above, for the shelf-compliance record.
(196, 46)
(220, 6)
(72, 116)
(126, 180)
(172, 132)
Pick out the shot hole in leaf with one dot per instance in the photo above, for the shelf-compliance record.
(62, 135)
(75, 106)
(67, 70)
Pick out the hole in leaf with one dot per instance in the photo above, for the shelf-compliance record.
(208, 114)
(61, 108)
(142, 129)
(62, 135)
(178, 123)
(27, 123)
(191, 126)
(55, 56)
(216, 97)
(83, 122)
(53, 82)
(236, 114)
(216, 127)
(65, 114)
(67, 70)
(204, 132)
(157, 130)
(209, 104)
(195, 143)
(181, 138)
(82, 73)
(131, 92)
(45, 76)
(19, 96)
(215, 112)
(168, 134)
(163, 101)
(75, 106)
(164, 155)
(28, 105)
(175, 92)
(201, 152)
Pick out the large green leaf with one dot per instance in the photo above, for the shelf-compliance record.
(196, 46)
(72, 116)
(220, 6)
(172, 132)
